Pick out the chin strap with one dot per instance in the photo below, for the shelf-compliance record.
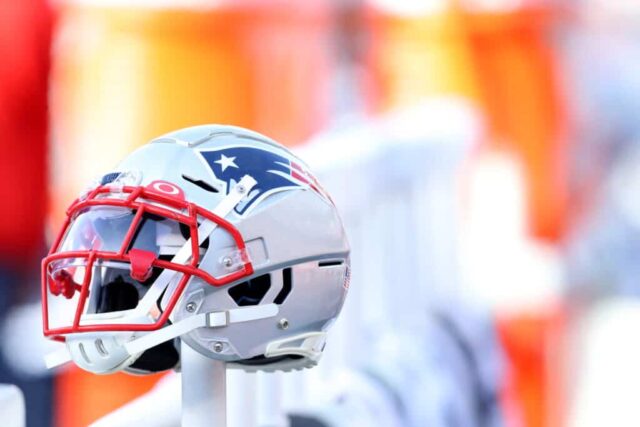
(216, 319)
(224, 208)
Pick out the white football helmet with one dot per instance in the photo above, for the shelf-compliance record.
(214, 235)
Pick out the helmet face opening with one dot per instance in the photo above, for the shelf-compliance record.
(121, 251)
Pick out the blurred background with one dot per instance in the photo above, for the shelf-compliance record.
(484, 154)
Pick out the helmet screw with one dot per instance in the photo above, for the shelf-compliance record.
(283, 323)
(227, 261)
(240, 189)
(217, 347)
(191, 307)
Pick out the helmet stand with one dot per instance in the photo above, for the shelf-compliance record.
(204, 389)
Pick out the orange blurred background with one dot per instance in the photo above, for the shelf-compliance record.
(83, 83)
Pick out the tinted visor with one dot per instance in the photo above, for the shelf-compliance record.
(105, 228)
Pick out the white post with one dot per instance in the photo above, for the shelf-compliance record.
(12, 410)
(204, 390)
(241, 398)
(270, 410)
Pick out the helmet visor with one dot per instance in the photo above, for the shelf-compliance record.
(105, 228)
(123, 260)
(115, 284)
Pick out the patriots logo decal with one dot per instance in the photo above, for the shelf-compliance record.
(272, 172)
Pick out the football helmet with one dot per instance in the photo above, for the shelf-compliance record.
(215, 235)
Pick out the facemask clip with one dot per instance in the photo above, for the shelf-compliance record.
(234, 260)
(141, 264)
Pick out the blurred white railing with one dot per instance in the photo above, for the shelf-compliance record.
(395, 182)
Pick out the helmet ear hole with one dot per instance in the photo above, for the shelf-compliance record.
(252, 291)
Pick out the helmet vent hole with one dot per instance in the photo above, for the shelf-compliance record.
(202, 184)
(252, 291)
(286, 286)
(83, 352)
(332, 263)
(109, 178)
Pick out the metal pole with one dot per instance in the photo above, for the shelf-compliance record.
(241, 398)
(270, 411)
(204, 390)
